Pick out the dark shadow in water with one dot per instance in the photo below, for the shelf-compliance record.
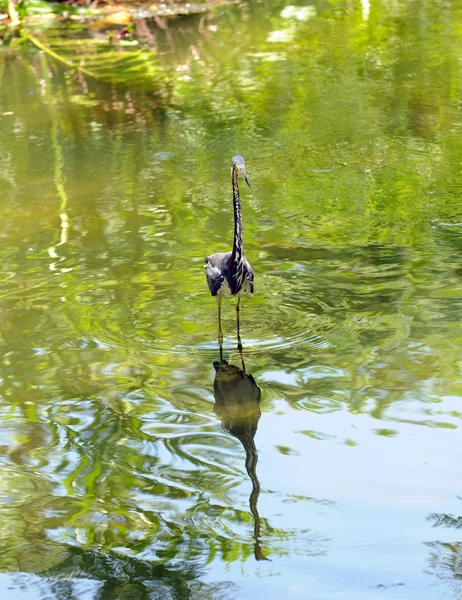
(237, 405)
(129, 578)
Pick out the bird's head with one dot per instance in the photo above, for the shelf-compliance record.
(238, 163)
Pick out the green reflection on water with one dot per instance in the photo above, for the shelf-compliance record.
(114, 465)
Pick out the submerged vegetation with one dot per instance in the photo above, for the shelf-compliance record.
(106, 42)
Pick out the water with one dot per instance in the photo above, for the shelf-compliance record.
(122, 473)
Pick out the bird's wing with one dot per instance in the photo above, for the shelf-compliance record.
(214, 275)
(249, 275)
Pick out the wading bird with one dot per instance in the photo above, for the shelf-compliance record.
(237, 405)
(229, 273)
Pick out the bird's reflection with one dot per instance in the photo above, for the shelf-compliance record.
(237, 405)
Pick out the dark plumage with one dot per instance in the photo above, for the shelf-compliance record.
(229, 273)
(218, 272)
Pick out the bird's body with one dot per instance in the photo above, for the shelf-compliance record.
(221, 279)
(229, 273)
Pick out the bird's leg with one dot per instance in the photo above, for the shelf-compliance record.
(239, 342)
(220, 332)
(238, 309)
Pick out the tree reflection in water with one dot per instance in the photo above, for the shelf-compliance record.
(128, 577)
(445, 559)
(237, 405)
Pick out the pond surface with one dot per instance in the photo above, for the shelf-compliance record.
(128, 461)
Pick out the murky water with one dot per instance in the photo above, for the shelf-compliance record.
(128, 461)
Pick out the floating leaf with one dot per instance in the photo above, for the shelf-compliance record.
(122, 17)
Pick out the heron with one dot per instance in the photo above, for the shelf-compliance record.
(237, 405)
(229, 273)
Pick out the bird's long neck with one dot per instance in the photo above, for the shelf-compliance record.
(236, 255)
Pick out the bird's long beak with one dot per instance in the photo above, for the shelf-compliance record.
(244, 175)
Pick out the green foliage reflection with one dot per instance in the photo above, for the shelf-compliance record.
(112, 458)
